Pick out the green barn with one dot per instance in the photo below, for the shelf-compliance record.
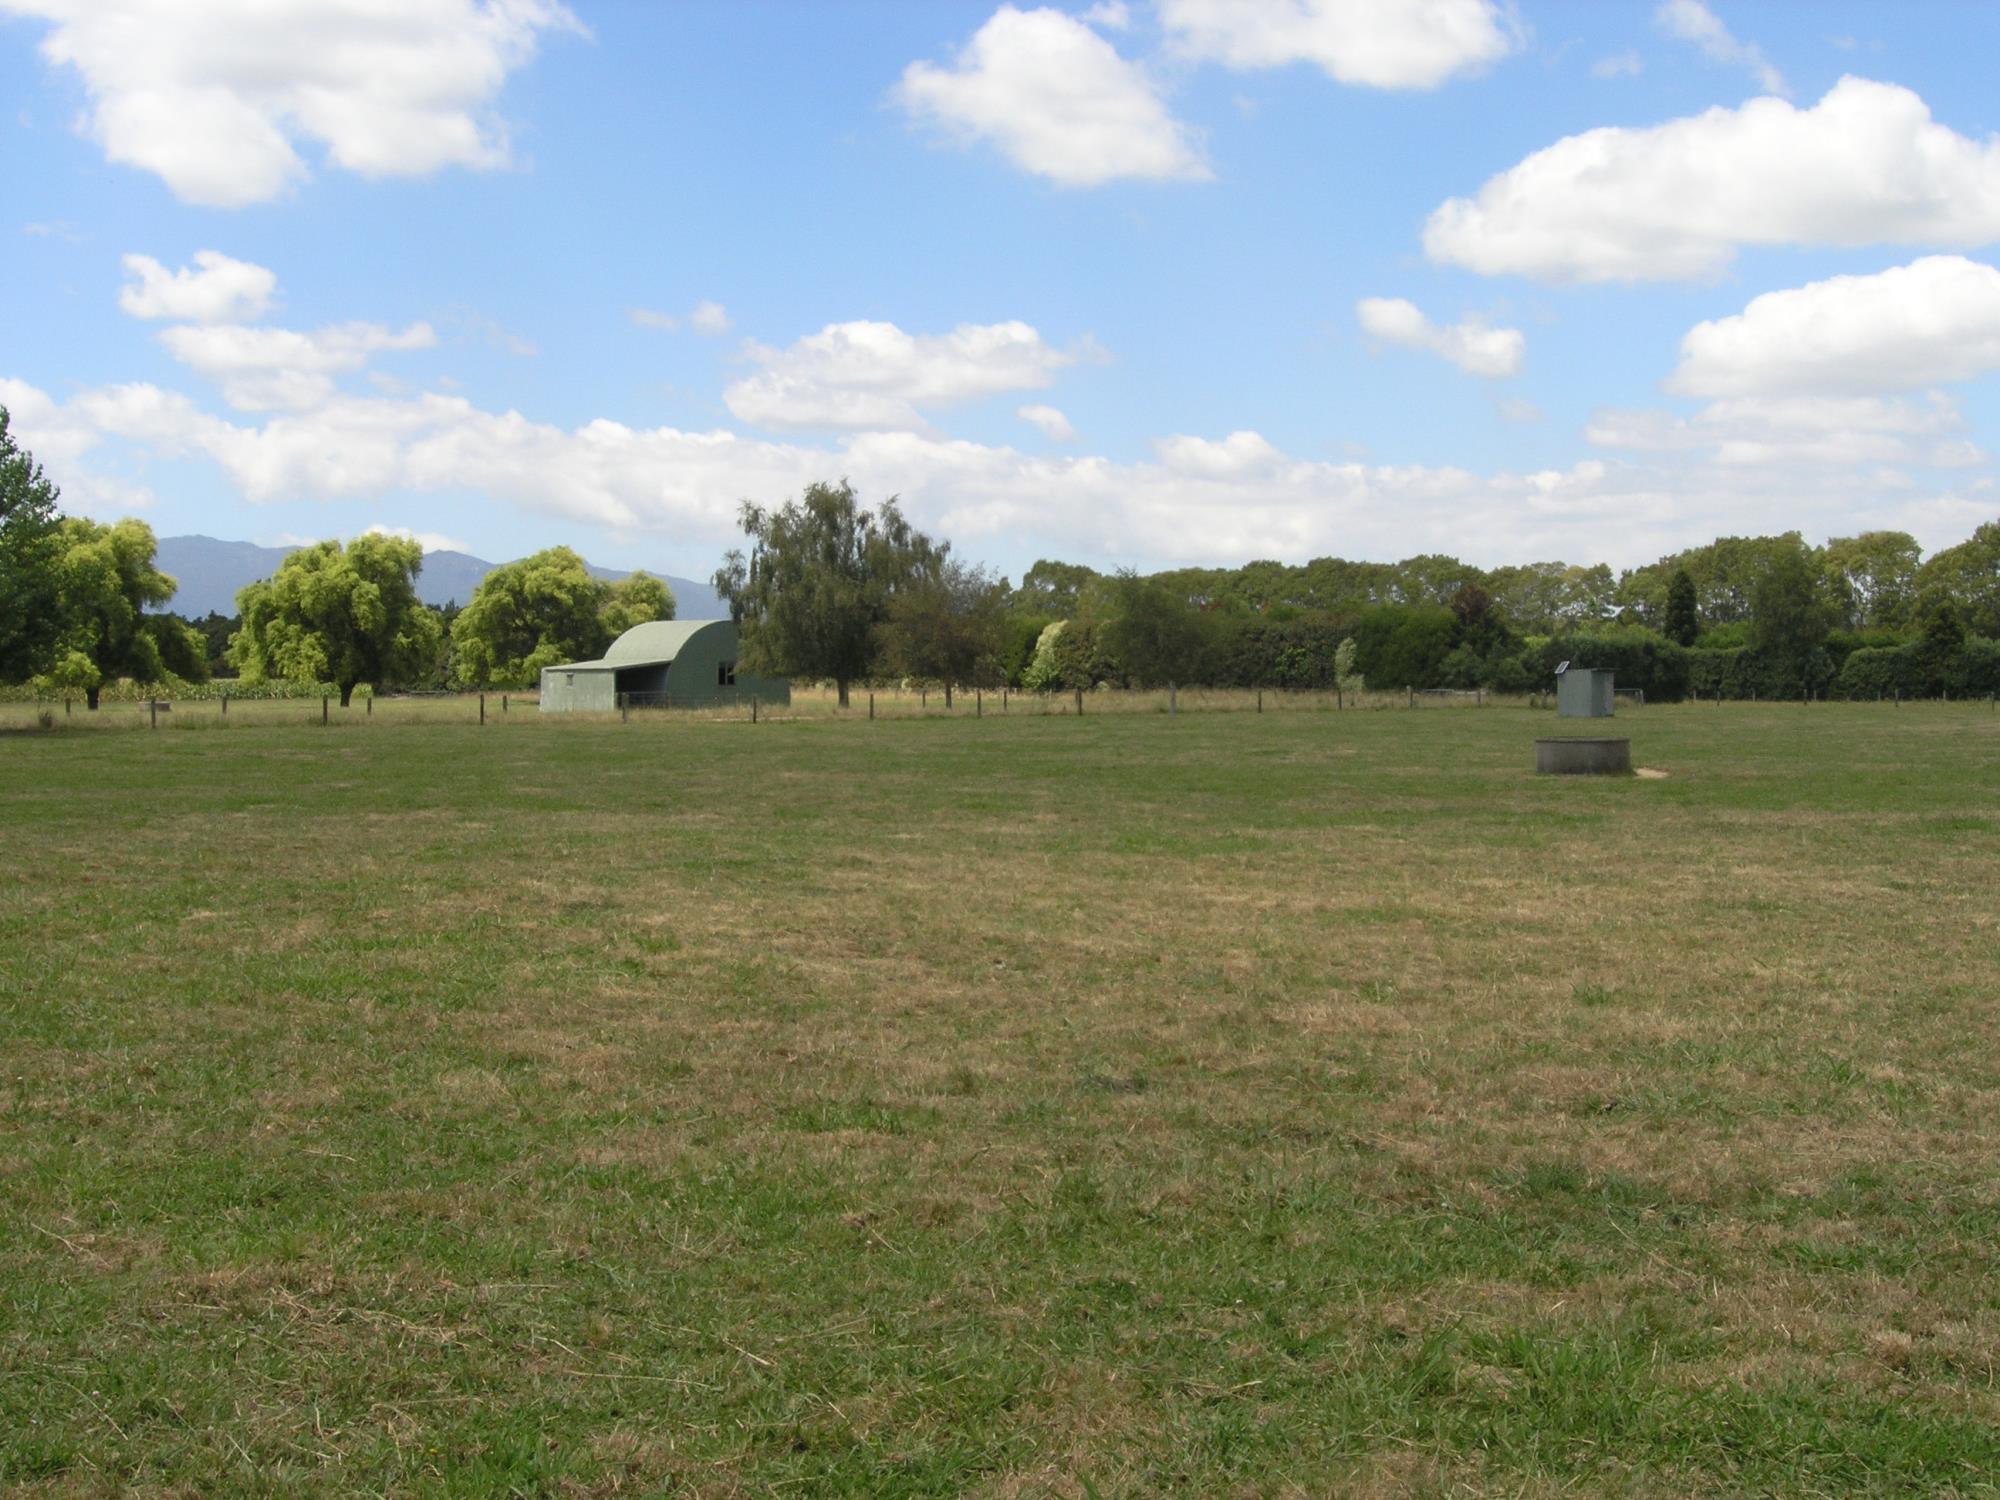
(661, 664)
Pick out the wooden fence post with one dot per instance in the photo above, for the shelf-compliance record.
(503, 703)
(482, 708)
(978, 703)
(322, 710)
(371, 705)
(225, 703)
(753, 708)
(1003, 700)
(153, 707)
(1079, 703)
(871, 708)
(1260, 700)
(66, 707)
(1173, 699)
(1413, 695)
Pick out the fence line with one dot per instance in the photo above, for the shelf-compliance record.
(808, 704)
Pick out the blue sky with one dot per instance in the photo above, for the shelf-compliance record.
(1193, 281)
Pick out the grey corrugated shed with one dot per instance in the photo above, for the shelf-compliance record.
(678, 663)
(1585, 693)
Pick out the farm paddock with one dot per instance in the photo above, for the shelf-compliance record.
(1225, 1103)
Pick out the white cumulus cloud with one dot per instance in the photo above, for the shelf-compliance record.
(705, 317)
(1239, 454)
(1817, 433)
(1057, 100)
(1198, 499)
(1692, 21)
(874, 375)
(430, 541)
(1052, 424)
(1932, 321)
(216, 96)
(1472, 345)
(1384, 44)
(1866, 165)
(711, 318)
(216, 289)
(265, 369)
(61, 434)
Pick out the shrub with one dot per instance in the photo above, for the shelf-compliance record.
(1399, 645)
(1260, 651)
(1043, 673)
(1017, 646)
(1876, 672)
(1513, 673)
(1982, 667)
(1842, 644)
(1727, 637)
(1069, 655)
(1717, 672)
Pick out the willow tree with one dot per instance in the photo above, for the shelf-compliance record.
(544, 610)
(105, 581)
(344, 615)
(815, 588)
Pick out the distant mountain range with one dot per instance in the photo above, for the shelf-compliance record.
(210, 571)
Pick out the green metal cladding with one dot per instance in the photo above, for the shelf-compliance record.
(661, 664)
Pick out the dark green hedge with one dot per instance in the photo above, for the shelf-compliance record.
(1398, 645)
(1972, 671)
(1637, 658)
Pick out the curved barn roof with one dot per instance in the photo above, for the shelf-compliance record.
(657, 640)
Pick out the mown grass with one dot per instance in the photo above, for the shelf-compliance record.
(1280, 1104)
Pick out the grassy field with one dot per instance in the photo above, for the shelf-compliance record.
(1281, 1104)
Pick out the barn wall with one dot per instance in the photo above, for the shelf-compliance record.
(566, 690)
(693, 678)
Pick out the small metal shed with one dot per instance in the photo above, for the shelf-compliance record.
(1584, 693)
(661, 664)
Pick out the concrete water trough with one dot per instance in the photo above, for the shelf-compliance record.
(1583, 757)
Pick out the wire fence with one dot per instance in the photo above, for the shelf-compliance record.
(221, 710)
(808, 703)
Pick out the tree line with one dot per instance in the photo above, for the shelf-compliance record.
(827, 589)
(80, 609)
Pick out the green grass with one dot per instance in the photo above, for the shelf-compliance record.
(1280, 1104)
